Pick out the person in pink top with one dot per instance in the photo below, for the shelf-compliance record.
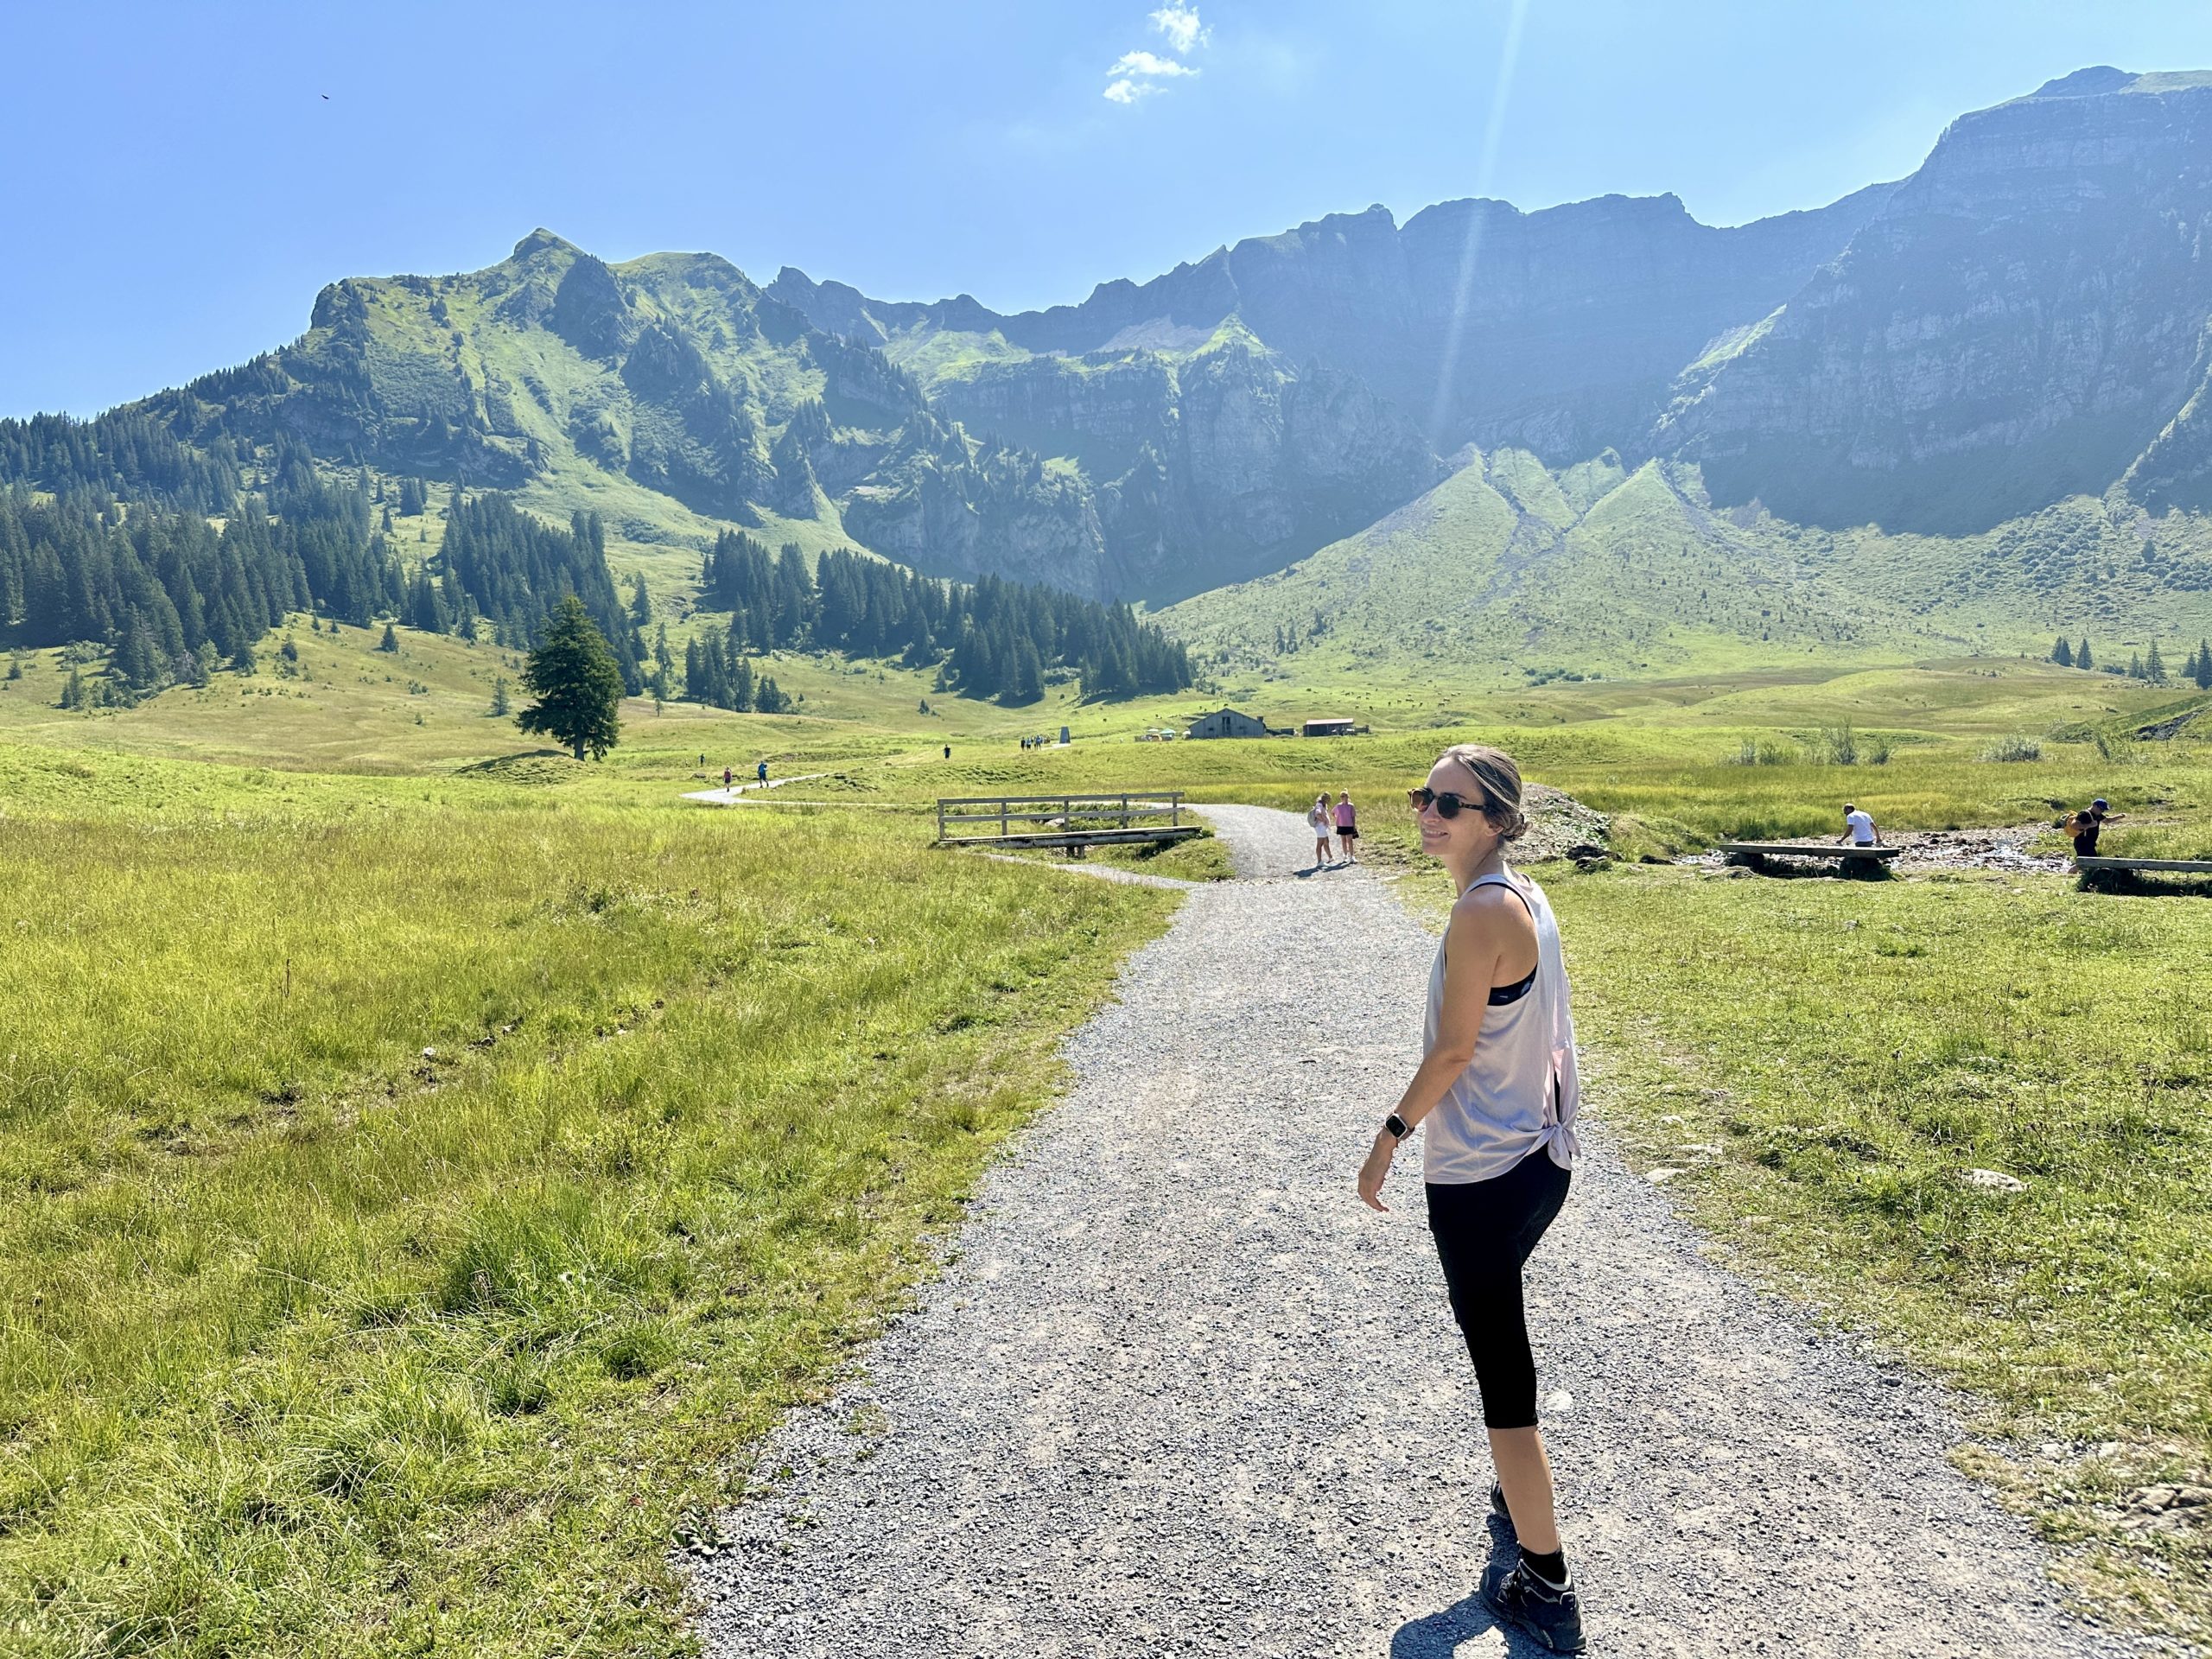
(1347, 828)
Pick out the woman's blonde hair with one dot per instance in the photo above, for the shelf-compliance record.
(1500, 777)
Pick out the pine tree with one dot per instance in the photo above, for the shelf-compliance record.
(500, 706)
(2203, 674)
(2154, 666)
(576, 681)
(73, 693)
(641, 607)
(2134, 664)
(2081, 657)
(2061, 653)
(390, 642)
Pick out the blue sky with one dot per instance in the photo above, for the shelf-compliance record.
(181, 186)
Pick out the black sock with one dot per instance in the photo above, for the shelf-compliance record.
(1551, 1568)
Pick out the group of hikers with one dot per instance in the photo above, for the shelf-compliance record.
(1342, 821)
(759, 774)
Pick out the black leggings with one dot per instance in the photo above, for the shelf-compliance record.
(1485, 1231)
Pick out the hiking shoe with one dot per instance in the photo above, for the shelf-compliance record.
(1552, 1618)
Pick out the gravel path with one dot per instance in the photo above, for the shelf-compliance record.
(730, 796)
(1180, 1394)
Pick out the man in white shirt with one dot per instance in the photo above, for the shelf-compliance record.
(1858, 828)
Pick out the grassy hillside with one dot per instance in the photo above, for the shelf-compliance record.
(1507, 571)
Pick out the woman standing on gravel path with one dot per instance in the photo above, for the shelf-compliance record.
(1320, 823)
(1499, 1088)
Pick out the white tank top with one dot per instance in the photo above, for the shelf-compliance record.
(1522, 1089)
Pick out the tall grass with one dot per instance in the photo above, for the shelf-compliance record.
(407, 1209)
(1870, 1044)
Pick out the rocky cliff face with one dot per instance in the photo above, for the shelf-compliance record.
(1240, 412)
(2018, 322)
(1562, 329)
(1209, 467)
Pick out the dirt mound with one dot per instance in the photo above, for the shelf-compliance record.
(1558, 824)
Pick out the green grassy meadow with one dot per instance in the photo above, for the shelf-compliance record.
(428, 1164)
(1826, 1061)
(415, 1195)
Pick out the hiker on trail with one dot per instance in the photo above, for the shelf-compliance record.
(727, 780)
(1347, 828)
(1320, 822)
(948, 751)
(2085, 826)
(761, 773)
(1858, 828)
(1497, 1088)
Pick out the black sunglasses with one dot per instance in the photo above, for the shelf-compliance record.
(1447, 804)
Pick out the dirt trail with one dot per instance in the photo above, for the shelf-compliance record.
(1178, 1393)
(730, 796)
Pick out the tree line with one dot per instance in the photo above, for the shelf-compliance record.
(173, 597)
(991, 639)
(169, 556)
(2197, 667)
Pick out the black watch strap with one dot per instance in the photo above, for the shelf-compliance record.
(1398, 1126)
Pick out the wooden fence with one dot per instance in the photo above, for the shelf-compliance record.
(1071, 820)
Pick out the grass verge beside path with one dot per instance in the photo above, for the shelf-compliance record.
(412, 1209)
(1825, 1062)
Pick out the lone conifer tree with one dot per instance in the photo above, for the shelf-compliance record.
(576, 681)
(390, 640)
(2203, 674)
(2082, 657)
(2061, 653)
(2154, 666)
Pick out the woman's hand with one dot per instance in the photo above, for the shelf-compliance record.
(1376, 1170)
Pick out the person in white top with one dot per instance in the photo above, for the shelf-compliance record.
(1858, 828)
(1499, 1088)
(1321, 822)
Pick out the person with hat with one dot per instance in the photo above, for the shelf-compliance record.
(2085, 826)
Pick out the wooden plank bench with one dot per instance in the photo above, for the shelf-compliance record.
(1121, 819)
(1756, 852)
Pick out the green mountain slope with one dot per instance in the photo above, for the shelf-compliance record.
(1508, 569)
(668, 394)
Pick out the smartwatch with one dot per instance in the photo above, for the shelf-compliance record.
(1398, 1126)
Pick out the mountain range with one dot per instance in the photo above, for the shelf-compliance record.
(1973, 398)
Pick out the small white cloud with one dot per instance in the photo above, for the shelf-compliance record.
(1149, 63)
(1139, 74)
(1179, 23)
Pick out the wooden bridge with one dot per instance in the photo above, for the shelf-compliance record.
(1073, 822)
